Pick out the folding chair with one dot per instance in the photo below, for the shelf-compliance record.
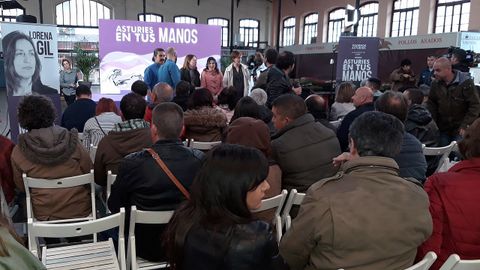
(454, 263)
(271, 203)
(67, 182)
(93, 152)
(144, 217)
(294, 198)
(440, 151)
(204, 146)
(425, 263)
(96, 255)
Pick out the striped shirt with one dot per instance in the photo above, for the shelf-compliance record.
(93, 132)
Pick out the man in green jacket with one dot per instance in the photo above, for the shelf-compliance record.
(453, 101)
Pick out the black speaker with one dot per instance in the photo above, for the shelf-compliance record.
(26, 18)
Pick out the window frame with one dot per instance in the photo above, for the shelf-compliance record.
(151, 14)
(374, 17)
(9, 17)
(185, 16)
(335, 21)
(288, 30)
(406, 11)
(223, 28)
(452, 4)
(247, 28)
(110, 9)
(313, 25)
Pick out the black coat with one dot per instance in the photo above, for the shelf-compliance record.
(421, 125)
(77, 114)
(277, 85)
(141, 182)
(185, 76)
(343, 129)
(242, 247)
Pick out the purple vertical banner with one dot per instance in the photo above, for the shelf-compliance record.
(30, 55)
(357, 59)
(126, 48)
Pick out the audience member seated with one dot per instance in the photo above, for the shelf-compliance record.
(403, 76)
(13, 254)
(126, 137)
(343, 101)
(374, 84)
(363, 102)
(255, 133)
(162, 92)
(260, 97)
(410, 160)
(182, 93)
(454, 199)
(303, 148)
(227, 99)
(6, 174)
(316, 106)
(77, 113)
(246, 107)
(50, 152)
(203, 122)
(97, 127)
(143, 183)
(140, 87)
(367, 217)
(455, 111)
(215, 228)
(419, 121)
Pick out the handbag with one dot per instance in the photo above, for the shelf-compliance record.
(169, 173)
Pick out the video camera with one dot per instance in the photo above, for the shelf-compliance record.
(467, 57)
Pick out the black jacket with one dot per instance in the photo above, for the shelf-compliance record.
(185, 76)
(141, 182)
(411, 160)
(242, 247)
(77, 114)
(343, 129)
(277, 85)
(421, 125)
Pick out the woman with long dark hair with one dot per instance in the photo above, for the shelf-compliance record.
(23, 66)
(212, 78)
(215, 228)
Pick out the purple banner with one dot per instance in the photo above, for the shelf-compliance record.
(357, 58)
(126, 48)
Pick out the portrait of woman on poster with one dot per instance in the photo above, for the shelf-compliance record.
(23, 66)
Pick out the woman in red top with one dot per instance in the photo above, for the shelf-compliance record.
(454, 205)
(212, 78)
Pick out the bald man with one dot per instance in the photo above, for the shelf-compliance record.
(161, 93)
(453, 101)
(317, 107)
(363, 102)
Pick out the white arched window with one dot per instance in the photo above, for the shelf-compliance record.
(222, 22)
(336, 23)
(249, 32)
(185, 19)
(9, 15)
(288, 33)
(405, 18)
(82, 13)
(452, 16)
(310, 24)
(150, 17)
(367, 25)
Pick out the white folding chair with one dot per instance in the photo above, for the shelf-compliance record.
(67, 182)
(204, 146)
(425, 263)
(144, 217)
(110, 180)
(96, 255)
(454, 263)
(93, 152)
(294, 198)
(271, 203)
(440, 151)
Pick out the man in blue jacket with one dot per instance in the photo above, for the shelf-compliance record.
(169, 72)
(150, 73)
